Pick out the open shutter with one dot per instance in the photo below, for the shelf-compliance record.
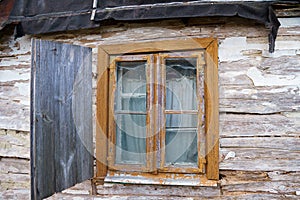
(61, 117)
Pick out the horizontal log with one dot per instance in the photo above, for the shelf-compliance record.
(261, 165)
(14, 144)
(228, 196)
(20, 194)
(81, 188)
(14, 166)
(243, 196)
(284, 176)
(229, 177)
(158, 190)
(280, 143)
(235, 72)
(14, 181)
(260, 154)
(278, 187)
(257, 153)
(246, 125)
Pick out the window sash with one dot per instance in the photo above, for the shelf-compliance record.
(200, 168)
(146, 167)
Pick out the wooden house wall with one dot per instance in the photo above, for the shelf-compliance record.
(259, 107)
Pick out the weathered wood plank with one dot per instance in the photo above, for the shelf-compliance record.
(284, 176)
(246, 125)
(231, 177)
(283, 143)
(21, 194)
(61, 117)
(14, 144)
(258, 195)
(14, 165)
(261, 154)
(158, 190)
(14, 174)
(235, 72)
(278, 187)
(257, 153)
(15, 181)
(261, 165)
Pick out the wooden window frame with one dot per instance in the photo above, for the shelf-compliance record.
(103, 113)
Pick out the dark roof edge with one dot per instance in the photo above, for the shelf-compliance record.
(75, 20)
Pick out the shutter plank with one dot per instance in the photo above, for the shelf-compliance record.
(61, 117)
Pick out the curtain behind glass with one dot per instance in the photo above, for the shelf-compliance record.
(181, 129)
(130, 112)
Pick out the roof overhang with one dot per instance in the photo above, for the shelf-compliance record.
(44, 16)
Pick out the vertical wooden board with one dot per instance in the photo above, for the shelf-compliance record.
(212, 111)
(102, 115)
(61, 117)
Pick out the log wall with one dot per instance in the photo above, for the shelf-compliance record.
(259, 107)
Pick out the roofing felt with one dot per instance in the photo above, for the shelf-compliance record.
(44, 16)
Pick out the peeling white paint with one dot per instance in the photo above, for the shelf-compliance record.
(13, 75)
(289, 22)
(234, 48)
(279, 52)
(24, 91)
(259, 79)
(291, 44)
(230, 48)
(230, 154)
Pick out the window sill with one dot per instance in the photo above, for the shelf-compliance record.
(160, 179)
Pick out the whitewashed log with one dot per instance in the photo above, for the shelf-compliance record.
(258, 153)
(280, 143)
(245, 125)
(14, 181)
(81, 188)
(14, 144)
(15, 194)
(259, 195)
(14, 166)
(14, 174)
(158, 190)
(229, 177)
(14, 82)
(284, 176)
(261, 165)
(278, 187)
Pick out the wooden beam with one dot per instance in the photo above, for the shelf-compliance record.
(102, 116)
(212, 111)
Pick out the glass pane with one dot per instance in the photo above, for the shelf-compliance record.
(130, 139)
(181, 84)
(134, 103)
(181, 120)
(181, 148)
(131, 86)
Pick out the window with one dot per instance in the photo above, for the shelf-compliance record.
(157, 111)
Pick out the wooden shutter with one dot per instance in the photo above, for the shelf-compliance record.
(61, 117)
